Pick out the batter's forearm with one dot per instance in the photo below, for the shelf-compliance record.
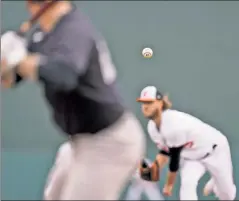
(58, 72)
(10, 78)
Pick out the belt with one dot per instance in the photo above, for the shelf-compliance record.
(209, 153)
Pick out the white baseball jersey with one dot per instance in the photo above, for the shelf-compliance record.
(181, 129)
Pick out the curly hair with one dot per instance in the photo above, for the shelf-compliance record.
(167, 104)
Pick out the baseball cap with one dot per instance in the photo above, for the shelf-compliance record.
(150, 93)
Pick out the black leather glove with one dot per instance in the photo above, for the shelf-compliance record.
(149, 172)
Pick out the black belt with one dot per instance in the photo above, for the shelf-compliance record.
(209, 153)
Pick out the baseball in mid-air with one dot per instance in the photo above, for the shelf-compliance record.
(147, 52)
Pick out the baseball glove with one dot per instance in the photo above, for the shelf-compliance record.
(149, 172)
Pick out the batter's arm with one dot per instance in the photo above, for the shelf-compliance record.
(11, 79)
(63, 68)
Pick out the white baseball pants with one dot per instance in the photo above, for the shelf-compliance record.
(100, 165)
(58, 172)
(139, 186)
(218, 164)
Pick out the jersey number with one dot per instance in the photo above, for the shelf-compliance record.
(107, 67)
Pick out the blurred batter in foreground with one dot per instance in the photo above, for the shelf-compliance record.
(72, 62)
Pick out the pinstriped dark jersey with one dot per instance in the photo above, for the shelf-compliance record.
(82, 95)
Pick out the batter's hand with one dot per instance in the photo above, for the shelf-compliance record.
(167, 190)
(13, 49)
(8, 80)
(25, 27)
(28, 68)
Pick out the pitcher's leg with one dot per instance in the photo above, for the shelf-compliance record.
(219, 165)
(191, 172)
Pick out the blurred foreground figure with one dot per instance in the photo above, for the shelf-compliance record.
(72, 62)
(139, 186)
(58, 173)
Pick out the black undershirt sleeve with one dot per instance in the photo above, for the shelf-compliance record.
(163, 152)
(175, 158)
